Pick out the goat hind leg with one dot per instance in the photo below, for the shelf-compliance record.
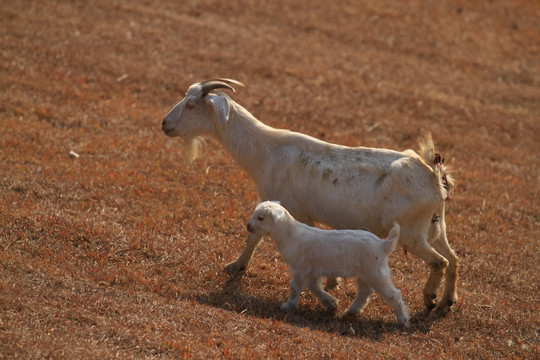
(363, 291)
(440, 243)
(437, 263)
(242, 262)
(388, 291)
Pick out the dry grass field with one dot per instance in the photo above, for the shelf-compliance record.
(120, 252)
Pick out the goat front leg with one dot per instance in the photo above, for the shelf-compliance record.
(298, 284)
(243, 260)
(315, 285)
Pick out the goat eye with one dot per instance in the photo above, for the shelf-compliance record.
(260, 218)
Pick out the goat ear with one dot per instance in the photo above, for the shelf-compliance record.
(276, 214)
(221, 107)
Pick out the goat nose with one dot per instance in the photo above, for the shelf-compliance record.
(249, 227)
(164, 126)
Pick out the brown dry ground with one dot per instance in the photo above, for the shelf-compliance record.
(120, 252)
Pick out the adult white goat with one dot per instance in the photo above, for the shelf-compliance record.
(318, 182)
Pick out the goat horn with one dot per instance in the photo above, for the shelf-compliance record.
(220, 83)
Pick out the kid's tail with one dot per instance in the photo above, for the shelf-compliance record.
(392, 239)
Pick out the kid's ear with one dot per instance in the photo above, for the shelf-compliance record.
(221, 107)
(277, 214)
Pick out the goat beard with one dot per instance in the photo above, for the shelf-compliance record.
(194, 148)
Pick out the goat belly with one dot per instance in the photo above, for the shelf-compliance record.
(334, 273)
(336, 265)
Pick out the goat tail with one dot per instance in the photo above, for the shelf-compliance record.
(391, 241)
(436, 162)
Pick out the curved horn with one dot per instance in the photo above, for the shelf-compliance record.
(220, 83)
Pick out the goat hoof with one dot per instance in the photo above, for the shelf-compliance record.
(234, 268)
(332, 283)
(332, 307)
(404, 324)
(288, 307)
(430, 301)
(445, 305)
(448, 300)
(443, 310)
(351, 313)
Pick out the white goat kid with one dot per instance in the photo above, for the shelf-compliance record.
(318, 182)
(311, 253)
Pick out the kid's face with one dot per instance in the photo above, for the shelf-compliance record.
(260, 223)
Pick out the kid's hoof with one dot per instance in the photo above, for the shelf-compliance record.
(288, 307)
(332, 283)
(405, 324)
(332, 308)
(234, 268)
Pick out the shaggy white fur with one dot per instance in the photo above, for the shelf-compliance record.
(312, 253)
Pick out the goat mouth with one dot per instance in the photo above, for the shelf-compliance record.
(168, 132)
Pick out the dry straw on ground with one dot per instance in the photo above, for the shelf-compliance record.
(120, 251)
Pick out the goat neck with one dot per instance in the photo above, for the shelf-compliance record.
(246, 139)
(285, 233)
